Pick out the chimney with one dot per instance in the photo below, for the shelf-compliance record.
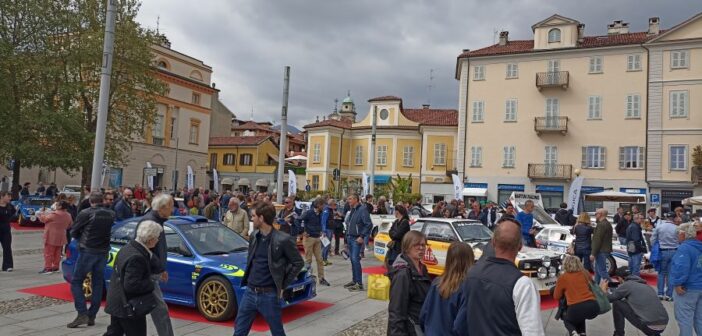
(503, 37)
(581, 32)
(618, 27)
(425, 106)
(654, 26)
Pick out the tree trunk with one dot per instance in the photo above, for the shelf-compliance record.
(85, 176)
(15, 179)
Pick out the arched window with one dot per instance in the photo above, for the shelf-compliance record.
(162, 64)
(554, 35)
(196, 75)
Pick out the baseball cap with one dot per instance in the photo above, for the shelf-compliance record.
(622, 272)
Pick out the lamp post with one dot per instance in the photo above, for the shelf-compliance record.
(371, 183)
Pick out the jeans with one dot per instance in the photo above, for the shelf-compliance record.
(622, 240)
(267, 304)
(88, 263)
(365, 243)
(337, 241)
(160, 317)
(621, 311)
(635, 263)
(585, 258)
(6, 242)
(355, 254)
(688, 312)
(664, 274)
(577, 314)
(601, 267)
(325, 250)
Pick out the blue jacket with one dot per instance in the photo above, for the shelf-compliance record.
(527, 220)
(686, 270)
(311, 223)
(123, 210)
(438, 315)
(325, 218)
(359, 224)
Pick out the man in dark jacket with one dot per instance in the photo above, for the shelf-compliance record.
(161, 209)
(634, 237)
(311, 221)
(564, 216)
(358, 227)
(634, 300)
(288, 216)
(489, 216)
(621, 227)
(131, 279)
(272, 265)
(123, 208)
(601, 245)
(92, 230)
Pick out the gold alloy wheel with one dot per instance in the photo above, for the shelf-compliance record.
(213, 299)
(87, 286)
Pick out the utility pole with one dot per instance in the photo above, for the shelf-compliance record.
(282, 146)
(371, 183)
(104, 102)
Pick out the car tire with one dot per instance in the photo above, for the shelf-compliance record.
(374, 232)
(210, 295)
(611, 265)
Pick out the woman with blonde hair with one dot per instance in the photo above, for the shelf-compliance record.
(409, 284)
(440, 308)
(583, 239)
(574, 286)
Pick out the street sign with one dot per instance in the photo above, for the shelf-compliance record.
(150, 171)
(655, 199)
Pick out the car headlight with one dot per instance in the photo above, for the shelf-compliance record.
(33, 218)
(561, 270)
(552, 272)
(527, 265)
(542, 273)
(546, 261)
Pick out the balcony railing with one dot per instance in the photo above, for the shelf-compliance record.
(552, 79)
(550, 171)
(551, 125)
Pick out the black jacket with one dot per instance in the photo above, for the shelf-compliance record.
(397, 232)
(159, 251)
(621, 227)
(311, 222)
(583, 238)
(565, 217)
(408, 289)
(484, 216)
(284, 260)
(132, 263)
(92, 228)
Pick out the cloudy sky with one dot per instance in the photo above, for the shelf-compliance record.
(370, 47)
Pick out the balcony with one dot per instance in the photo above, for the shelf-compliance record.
(551, 125)
(552, 79)
(543, 171)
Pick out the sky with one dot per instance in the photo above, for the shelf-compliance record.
(405, 48)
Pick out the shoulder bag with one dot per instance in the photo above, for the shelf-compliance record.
(600, 296)
(141, 305)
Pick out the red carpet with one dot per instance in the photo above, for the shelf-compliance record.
(62, 291)
(17, 227)
(374, 270)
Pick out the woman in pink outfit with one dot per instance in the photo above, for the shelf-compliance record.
(55, 225)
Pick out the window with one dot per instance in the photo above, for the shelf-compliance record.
(511, 110)
(315, 182)
(440, 154)
(229, 159)
(678, 59)
(594, 107)
(552, 112)
(157, 131)
(245, 159)
(631, 157)
(316, 153)
(479, 72)
(596, 64)
(509, 156)
(554, 35)
(594, 157)
(478, 110)
(633, 106)
(554, 65)
(440, 231)
(384, 114)
(408, 156)
(382, 159)
(476, 156)
(196, 98)
(163, 65)
(678, 157)
(633, 62)
(213, 161)
(678, 104)
(512, 70)
(194, 136)
(359, 155)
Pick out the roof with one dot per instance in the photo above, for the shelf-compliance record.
(384, 98)
(527, 46)
(341, 123)
(347, 100)
(238, 141)
(251, 125)
(432, 117)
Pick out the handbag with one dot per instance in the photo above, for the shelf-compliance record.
(600, 296)
(141, 305)
(631, 247)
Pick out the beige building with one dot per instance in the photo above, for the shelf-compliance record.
(537, 112)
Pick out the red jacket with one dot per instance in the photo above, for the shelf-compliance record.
(139, 194)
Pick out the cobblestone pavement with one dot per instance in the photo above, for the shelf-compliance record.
(375, 325)
(27, 303)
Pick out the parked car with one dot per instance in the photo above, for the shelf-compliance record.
(73, 190)
(29, 208)
(206, 263)
(541, 266)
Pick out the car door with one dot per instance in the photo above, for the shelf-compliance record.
(439, 236)
(180, 268)
(542, 237)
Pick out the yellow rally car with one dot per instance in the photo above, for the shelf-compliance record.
(542, 266)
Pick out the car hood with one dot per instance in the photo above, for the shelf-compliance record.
(232, 264)
(533, 253)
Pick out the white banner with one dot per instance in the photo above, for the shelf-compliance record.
(292, 183)
(190, 178)
(365, 185)
(149, 179)
(457, 187)
(574, 194)
(215, 177)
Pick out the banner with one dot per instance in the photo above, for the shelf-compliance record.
(215, 177)
(457, 187)
(365, 185)
(292, 183)
(574, 194)
(149, 179)
(190, 178)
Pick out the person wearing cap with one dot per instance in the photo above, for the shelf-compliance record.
(635, 301)
(686, 277)
(665, 234)
(653, 218)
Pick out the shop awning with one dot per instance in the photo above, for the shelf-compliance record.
(244, 182)
(381, 179)
(547, 188)
(227, 181)
(615, 196)
(475, 192)
(262, 183)
(697, 200)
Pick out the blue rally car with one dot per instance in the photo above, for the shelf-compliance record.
(206, 263)
(28, 207)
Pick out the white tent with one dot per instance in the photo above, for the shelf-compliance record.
(697, 200)
(615, 196)
(297, 157)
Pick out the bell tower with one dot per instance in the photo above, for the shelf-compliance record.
(348, 108)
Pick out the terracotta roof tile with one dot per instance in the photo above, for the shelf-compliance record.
(251, 125)
(237, 141)
(384, 98)
(432, 117)
(342, 123)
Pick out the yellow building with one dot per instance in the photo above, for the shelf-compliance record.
(417, 142)
(539, 111)
(244, 163)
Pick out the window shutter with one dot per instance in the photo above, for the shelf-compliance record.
(682, 104)
(583, 163)
(641, 158)
(674, 59)
(622, 157)
(603, 157)
(683, 59)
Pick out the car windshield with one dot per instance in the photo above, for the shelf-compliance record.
(472, 232)
(213, 238)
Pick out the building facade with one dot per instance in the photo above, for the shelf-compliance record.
(536, 113)
(244, 163)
